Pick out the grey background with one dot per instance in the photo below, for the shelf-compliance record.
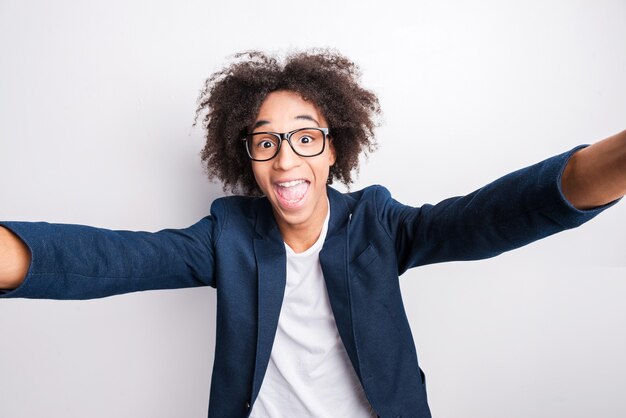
(96, 105)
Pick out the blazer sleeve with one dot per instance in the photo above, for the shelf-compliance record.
(519, 208)
(82, 262)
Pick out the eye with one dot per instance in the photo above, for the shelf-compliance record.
(266, 144)
(306, 140)
(263, 142)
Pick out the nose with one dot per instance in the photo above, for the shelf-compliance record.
(286, 158)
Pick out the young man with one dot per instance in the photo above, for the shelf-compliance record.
(310, 315)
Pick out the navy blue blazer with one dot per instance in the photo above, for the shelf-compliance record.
(372, 239)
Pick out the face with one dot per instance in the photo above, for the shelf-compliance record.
(294, 185)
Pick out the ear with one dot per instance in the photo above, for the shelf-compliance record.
(331, 149)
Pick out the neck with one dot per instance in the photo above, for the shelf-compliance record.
(300, 237)
(300, 241)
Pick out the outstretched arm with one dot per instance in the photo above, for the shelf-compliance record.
(596, 175)
(14, 260)
(514, 210)
(83, 262)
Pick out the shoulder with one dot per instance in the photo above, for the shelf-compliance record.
(367, 203)
(237, 206)
(370, 194)
(238, 212)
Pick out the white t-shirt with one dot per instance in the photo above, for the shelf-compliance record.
(309, 373)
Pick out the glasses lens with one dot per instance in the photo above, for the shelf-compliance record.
(262, 146)
(308, 142)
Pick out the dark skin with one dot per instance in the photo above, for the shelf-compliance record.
(593, 177)
(596, 175)
(14, 260)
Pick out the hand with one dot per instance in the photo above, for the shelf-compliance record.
(596, 175)
(14, 259)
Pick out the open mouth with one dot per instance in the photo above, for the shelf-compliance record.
(291, 193)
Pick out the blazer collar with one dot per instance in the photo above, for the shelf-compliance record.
(265, 224)
(339, 211)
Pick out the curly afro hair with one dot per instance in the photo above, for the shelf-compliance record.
(231, 99)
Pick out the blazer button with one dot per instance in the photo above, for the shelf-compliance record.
(247, 405)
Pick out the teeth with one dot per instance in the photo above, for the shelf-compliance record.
(291, 183)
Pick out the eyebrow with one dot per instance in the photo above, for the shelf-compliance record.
(262, 122)
(307, 117)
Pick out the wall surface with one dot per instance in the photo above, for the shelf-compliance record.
(96, 106)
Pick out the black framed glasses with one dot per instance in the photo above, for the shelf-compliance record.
(306, 142)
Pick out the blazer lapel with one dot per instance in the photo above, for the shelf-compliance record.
(334, 262)
(269, 251)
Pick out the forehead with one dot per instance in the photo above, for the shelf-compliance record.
(286, 106)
